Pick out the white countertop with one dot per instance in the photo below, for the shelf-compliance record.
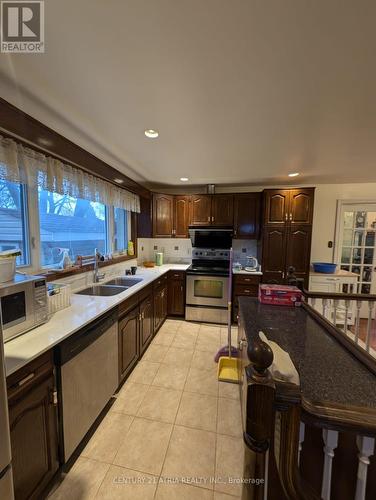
(338, 273)
(243, 271)
(84, 309)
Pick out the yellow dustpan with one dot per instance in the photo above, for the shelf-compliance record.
(227, 365)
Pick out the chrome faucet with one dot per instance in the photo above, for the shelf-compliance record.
(97, 276)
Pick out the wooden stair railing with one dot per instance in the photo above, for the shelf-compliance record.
(302, 450)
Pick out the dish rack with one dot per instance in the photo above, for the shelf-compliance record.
(59, 297)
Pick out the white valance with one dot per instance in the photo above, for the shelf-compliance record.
(22, 164)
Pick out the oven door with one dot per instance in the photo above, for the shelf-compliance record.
(17, 309)
(207, 290)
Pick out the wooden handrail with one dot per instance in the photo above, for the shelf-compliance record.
(359, 297)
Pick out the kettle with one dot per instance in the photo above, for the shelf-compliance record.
(251, 265)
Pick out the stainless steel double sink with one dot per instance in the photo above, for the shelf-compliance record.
(112, 287)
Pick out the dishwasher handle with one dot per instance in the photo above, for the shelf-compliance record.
(80, 340)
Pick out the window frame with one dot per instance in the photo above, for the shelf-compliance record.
(32, 241)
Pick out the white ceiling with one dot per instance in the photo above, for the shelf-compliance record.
(241, 91)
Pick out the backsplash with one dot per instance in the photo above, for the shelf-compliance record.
(179, 250)
(243, 249)
(176, 250)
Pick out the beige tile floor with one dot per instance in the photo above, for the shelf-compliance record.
(171, 420)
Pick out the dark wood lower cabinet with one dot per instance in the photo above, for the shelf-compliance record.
(129, 346)
(176, 293)
(146, 322)
(244, 285)
(160, 306)
(33, 428)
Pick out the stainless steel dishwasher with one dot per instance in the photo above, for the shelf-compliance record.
(87, 378)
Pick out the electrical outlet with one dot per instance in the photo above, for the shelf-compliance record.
(244, 250)
(155, 247)
(176, 248)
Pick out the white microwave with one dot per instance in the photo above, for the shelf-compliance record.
(23, 304)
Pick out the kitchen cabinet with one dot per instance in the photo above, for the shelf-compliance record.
(181, 216)
(243, 285)
(171, 216)
(163, 215)
(176, 293)
(146, 322)
(287, 233)
(129, 345)
(247, 215)
(160, 306)
(33, 427)
(216, 209)
(288, 206)
(201, 209)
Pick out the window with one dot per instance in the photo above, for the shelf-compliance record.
(120, 229)
(13, 220)
(70, 223)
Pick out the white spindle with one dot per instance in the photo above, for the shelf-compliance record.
(357, 320)
(369, 324)
(331, 440)
(324, 307)
(301, 439)
(366, 447)
(335, 308)
(347, 307)
(313, 302)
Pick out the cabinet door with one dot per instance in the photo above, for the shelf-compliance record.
(129, 349)
(301, 206)
(222, 212)
(246, 215)
(276, 206)
(181, 216)
(200, 209)
(163, 215)
(146, 325)
(157, 309)
(176, 295)
(34, 442)
(298, 251)
(164, 299)
(273, 255)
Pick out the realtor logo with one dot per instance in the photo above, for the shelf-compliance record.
(22, 27)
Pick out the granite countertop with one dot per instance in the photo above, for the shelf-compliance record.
(83, 309)
(328, 372)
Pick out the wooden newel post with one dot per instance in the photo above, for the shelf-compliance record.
(259, 420)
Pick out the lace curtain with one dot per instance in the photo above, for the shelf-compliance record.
(22, 164)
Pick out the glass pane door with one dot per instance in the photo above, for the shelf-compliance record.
(209, 288)
(357, 245)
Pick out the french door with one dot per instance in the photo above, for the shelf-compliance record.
(356, 251)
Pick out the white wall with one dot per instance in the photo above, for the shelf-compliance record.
(325, 210)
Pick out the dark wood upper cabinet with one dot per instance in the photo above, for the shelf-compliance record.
(163, 215)
(274, 254)
(247, 215)
(201, 209)
(129, 346)
(33, 428)
(301, 206)
(222, 210)
(276, 206)
(181, 216)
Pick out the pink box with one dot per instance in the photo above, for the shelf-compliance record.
(280, 295)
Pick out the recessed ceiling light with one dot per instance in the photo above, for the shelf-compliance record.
(119, 181)
(152, 134)
(294, 174)
(184, 179)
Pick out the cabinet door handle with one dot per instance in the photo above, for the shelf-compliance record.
(247, 291)
(286, 217)
(26, 379)
(283, 275)
(54, 397)
(213, 219)
(209, 218)
(290, 216)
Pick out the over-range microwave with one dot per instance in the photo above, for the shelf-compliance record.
(210, 237)
(23, 304)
